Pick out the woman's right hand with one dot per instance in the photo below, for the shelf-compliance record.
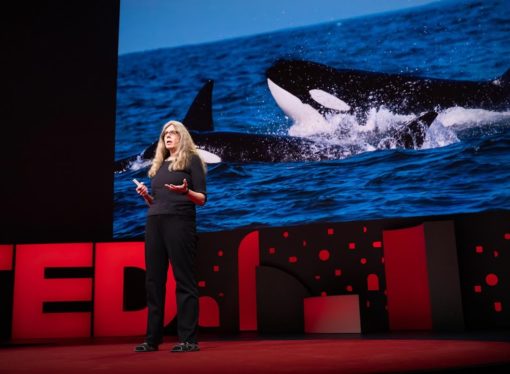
(142, 190)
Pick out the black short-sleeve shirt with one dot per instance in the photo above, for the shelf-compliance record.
(174, 203)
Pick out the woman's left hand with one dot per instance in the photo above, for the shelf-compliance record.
(181, 188)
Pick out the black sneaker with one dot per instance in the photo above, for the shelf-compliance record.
(185, 347)
(146, 347)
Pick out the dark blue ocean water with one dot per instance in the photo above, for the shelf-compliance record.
(464, 165)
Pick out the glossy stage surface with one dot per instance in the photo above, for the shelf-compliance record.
(324, 353)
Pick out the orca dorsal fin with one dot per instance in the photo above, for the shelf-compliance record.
(505, 78)
(199, 116)
(412, 134)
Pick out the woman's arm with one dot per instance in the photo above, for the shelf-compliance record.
(196, 197)
(199, 195)
(143, 191)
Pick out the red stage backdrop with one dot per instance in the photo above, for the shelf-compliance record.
(405, 274)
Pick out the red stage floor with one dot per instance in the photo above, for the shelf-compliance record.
(331, 354)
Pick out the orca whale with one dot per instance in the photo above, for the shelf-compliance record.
(325, 89)
(224, 146)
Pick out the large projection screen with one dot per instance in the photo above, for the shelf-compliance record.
(322, 111)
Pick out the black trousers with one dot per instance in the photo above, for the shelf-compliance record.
(171, 238)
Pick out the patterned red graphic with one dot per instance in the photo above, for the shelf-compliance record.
(372, 282)
(407, 279)
(332, 314)
(491, 279)
(209, 312)
(248, 260)
(324, 255)
(5, 257)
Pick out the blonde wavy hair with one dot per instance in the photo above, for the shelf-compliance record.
(185, 151)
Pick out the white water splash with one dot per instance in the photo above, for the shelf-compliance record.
(139, 163)
(439, 136)
(375, 132)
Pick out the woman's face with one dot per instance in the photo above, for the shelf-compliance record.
(171, 138)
